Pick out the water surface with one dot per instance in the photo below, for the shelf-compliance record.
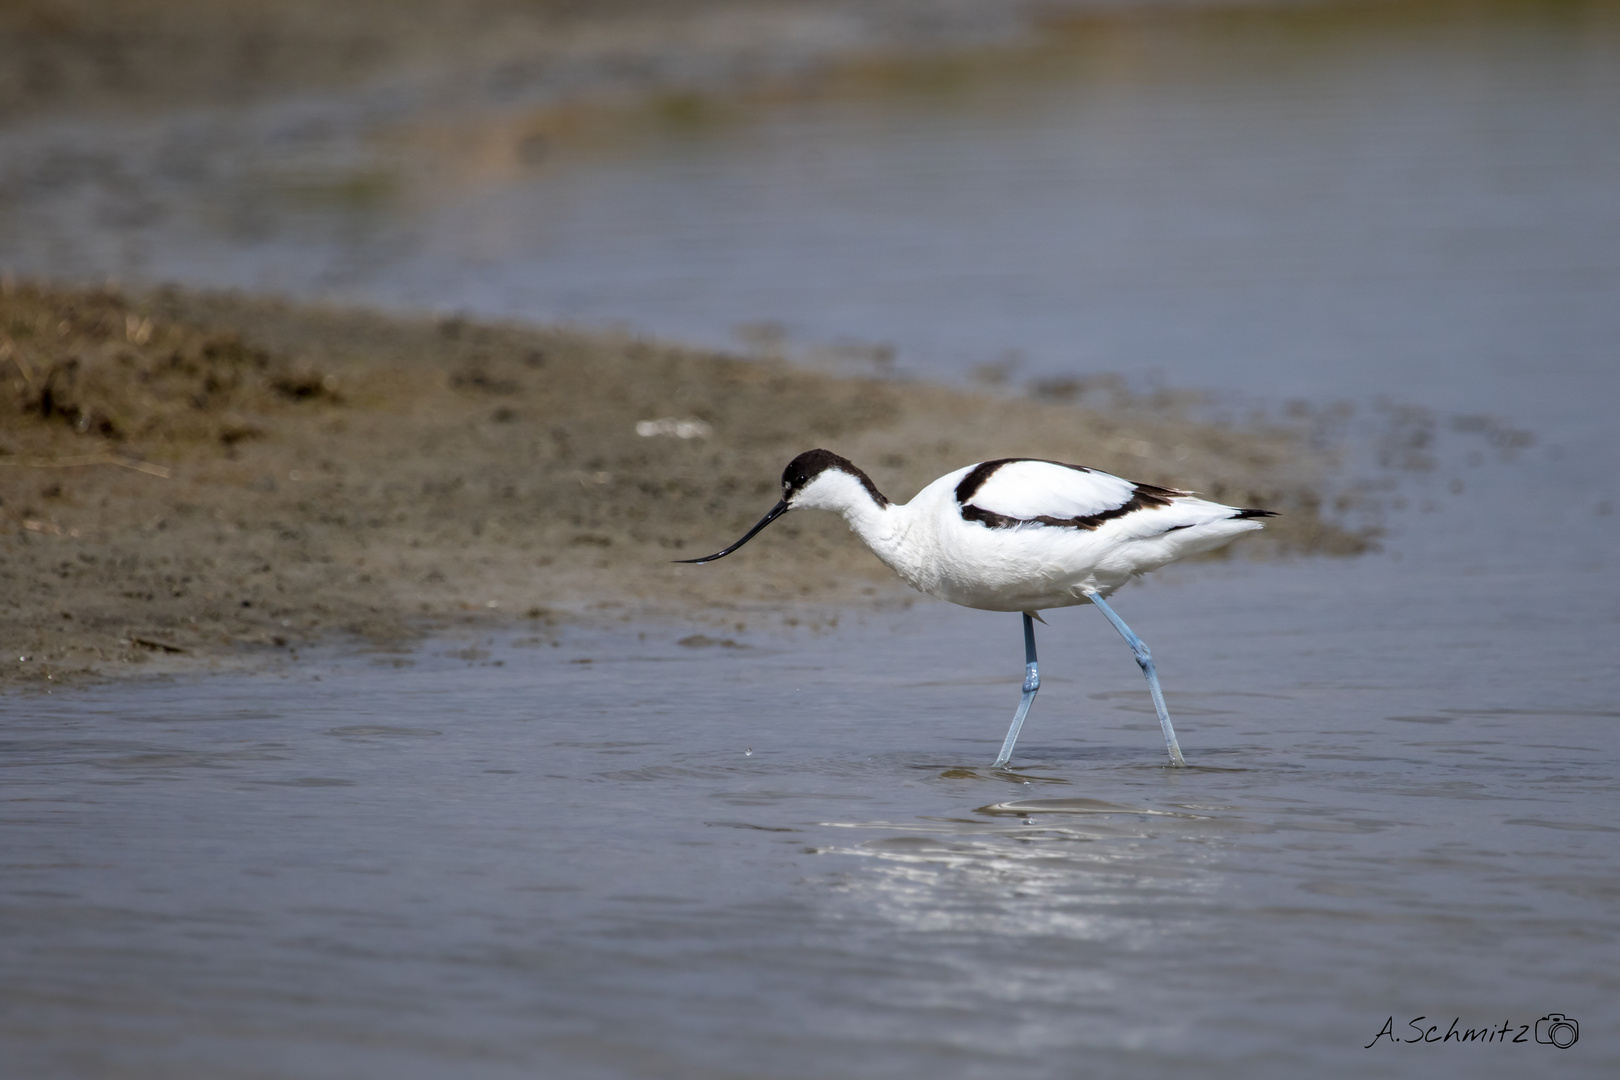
(620, 856)
(1357, 200)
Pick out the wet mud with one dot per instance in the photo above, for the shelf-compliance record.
(214, 480)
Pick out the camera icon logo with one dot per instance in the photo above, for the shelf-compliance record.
(1558, 1029)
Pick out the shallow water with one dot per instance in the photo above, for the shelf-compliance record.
(781, 852)
(787, 857)
(621, 856)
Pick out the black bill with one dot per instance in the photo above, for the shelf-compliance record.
(776, 511)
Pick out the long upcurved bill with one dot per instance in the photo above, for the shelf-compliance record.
(776, 511)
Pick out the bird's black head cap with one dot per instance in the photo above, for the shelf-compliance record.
(800, 474)
(812, 463)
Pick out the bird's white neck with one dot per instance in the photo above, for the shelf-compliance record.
(880, 524)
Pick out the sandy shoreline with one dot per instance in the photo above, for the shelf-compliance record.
(191, 481)
(133, 56)
(209, 479)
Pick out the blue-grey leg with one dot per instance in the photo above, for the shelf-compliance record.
(1144, 660)
(1032, 683)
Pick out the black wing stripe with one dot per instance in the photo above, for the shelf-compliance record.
(974, 480)
(1143, 497)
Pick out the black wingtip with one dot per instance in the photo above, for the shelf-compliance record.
(1251, 513)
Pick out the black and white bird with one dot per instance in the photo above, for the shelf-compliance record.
(1018, 534)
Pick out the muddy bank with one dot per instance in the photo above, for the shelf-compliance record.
(134, 55)
(214, 479)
